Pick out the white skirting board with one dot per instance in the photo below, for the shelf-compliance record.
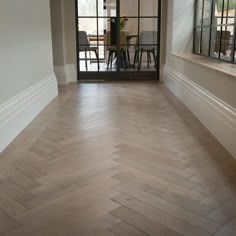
(71, 73)
(218, 117)
(19, 111)
(65, 74)
(60, 73)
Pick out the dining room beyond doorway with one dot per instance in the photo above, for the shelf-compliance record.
(118, 38)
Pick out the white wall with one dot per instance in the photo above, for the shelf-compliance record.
(69, 31)
(219, 87)
(57, 32)
(25, 45)
(27, 81)
(64, 40)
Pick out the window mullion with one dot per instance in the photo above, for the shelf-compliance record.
(234, 40)
(221, 27)
(203, 2)
(211, 26)
(221, 36)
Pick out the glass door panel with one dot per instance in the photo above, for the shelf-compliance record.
(129, 8)
(150, 9)
(121, 37)
(109, 8)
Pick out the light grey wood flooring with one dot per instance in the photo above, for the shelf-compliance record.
(110, 159)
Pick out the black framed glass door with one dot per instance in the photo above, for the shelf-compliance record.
(118, 39)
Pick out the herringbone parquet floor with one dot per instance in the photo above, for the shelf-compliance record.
(112, 159)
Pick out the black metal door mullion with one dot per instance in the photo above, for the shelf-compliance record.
(138, 41)
(97, 22)
(118, 37)
(77, 39)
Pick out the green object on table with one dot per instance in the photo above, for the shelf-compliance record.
(123, 21)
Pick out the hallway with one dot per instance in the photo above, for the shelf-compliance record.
(112, 159)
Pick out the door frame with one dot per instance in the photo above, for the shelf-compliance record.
(116, 75)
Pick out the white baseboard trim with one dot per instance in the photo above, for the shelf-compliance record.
(19, 111)
(217, 116)
(162, 72)
(66, 74)
(60, 73)
(71, 74)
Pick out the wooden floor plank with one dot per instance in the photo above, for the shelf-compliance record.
(228, 229)
(194, 219)
(9, 205)
(191, 205)
(142, 223)
(122, 158)
(6, 223)
(174, 223)
(225, 213)
(122, 228)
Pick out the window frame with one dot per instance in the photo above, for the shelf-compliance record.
(120, 72)
(211, 26)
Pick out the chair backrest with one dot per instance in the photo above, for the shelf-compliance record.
(83, 41)
(224, 34)
(148, 37)
(224, 43)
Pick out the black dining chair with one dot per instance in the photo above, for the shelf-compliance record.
(148, 44)
(112, 50)
(84, 46)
